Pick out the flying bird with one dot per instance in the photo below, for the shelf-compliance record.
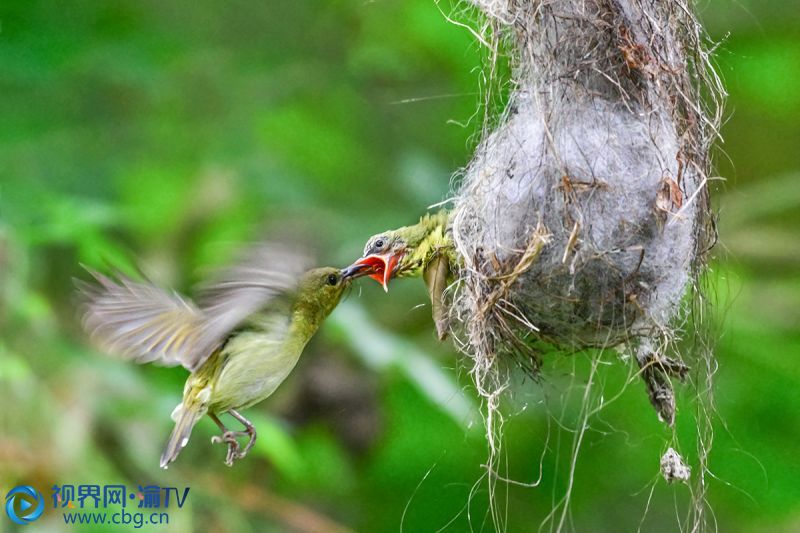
(240, 341)
(424, 249)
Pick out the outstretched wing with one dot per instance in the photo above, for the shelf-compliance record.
(263, 273)
(139, 321)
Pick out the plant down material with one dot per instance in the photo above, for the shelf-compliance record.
(583, 218)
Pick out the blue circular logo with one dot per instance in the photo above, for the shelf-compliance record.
(30, 506)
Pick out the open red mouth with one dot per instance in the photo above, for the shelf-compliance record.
(382, 266)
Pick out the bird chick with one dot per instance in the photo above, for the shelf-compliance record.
(424, 249)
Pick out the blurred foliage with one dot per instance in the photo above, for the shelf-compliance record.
(157, 136)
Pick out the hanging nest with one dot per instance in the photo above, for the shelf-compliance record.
(583, 219)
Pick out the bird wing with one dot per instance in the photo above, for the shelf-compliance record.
(263, 273)
(139, 321)
(145, 323)
(435, 275)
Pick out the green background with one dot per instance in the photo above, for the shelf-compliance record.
(158, 135)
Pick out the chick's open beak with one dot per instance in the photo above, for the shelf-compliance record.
(379, 267)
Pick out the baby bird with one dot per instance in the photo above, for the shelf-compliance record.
(239, 344)
(424, 249)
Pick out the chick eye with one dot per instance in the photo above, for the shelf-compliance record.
(379, 243)
(333, 279)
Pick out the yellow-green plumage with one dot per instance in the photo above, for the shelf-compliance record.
(423, 241)
(265, 319)
(424, 249)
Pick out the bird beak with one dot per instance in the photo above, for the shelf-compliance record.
(356, 270)
(379, 267)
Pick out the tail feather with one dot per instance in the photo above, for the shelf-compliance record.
(185, 419)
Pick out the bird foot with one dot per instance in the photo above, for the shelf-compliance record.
(235, 451)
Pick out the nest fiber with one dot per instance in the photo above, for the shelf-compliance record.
(583, 217)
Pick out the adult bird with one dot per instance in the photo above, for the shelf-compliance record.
(423, 249)
(242, 340)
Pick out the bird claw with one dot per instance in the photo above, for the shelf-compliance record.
(229, 437)
(233, 455)
(234, 451)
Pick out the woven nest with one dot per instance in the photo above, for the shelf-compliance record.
(583, 218)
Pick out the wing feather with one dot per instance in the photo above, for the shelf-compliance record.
(262, 274)
(142, 322)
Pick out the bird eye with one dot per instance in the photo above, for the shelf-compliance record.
(333, 279)
(379, 243)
